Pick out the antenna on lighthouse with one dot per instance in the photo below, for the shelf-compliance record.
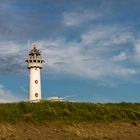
(28, 45)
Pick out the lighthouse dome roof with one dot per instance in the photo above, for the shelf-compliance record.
(35, 51)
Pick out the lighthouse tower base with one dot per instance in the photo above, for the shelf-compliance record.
(35, 85)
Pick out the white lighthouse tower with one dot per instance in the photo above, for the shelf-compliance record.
(34, 62)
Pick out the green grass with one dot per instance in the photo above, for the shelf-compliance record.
(68, 112)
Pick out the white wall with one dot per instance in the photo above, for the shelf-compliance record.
(34, 87)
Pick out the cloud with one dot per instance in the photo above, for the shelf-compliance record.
(78, 18)
(7, 96)
(95, 56)
(23, 20)
(12, 57)
(75, 59)
(107, 35)
(120, 57)
(137, 50)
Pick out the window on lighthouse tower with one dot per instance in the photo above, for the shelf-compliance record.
(36, 94)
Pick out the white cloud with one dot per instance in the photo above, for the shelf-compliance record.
(12, 57)
(7, 96)
(78, 18)
(93, 35)
(93, 57)
(89, 58)
(74, 59)
(106, 35)
(137, 50)
(120, 57)
(8, 48)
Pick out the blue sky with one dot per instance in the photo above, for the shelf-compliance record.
(91, 48)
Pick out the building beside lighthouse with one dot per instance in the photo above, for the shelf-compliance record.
(34, 64)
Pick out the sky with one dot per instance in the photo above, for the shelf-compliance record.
(91, 49)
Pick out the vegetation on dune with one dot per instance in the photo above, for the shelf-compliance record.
(67, 112)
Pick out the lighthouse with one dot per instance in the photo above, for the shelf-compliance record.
(34, 64)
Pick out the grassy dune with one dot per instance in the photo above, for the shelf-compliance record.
(68, 112)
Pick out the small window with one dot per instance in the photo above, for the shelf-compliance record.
(36, 81)
(36, 94)
(38, 61)
(34, 60)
